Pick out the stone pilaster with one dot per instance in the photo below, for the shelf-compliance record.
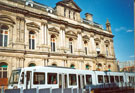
(92, 45)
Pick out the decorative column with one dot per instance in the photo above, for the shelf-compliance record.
(44, 34)
(79, 40)
(92, 45)
(62, 37)
(102, 45)
(111, 48)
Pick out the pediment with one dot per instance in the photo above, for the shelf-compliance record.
(97, 39)
(70, 4)
(6, 19)
(86, 37)
(107, 41)
(34, 25)
(71, 33)
(53, 29)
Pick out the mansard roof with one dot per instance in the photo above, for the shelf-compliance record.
(70, 4)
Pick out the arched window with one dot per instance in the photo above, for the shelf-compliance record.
(87, 67)
(3, 70)
(32, 40)
(4, 35)
(53, 43)
(32, 65)
(71, 45)
(86, 47)
(72, 66)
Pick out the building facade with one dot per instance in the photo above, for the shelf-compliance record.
(32, 34)
(127, 66)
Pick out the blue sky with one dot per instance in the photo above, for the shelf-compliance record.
(121, 16)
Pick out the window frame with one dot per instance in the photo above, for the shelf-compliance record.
(32, 39)
(70, 83)
(43, 73)
(3, 33)
(53, 81)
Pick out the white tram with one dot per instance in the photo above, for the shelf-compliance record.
(55, 77)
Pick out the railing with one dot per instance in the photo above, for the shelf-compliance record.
(92, 23)
(48, 90)
(102, 88)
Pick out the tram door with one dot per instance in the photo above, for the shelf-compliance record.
(81, 81)
(28, 79)
(62, 81)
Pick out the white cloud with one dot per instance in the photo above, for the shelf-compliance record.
(123, 29)
(129, 30)
(132, 56)
(120, 29)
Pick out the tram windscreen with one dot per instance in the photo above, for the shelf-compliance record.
(14, 77)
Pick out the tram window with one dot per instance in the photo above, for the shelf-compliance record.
(100, 79)
(52, 78)
(121, 78)
(117, 78)
(22, 78)
(106, 79)
(88, 79)
(112, 79)
(39, 78)
(129, 79)
(72, 79)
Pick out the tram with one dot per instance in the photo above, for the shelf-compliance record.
(57, 77)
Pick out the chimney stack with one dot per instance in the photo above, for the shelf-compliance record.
(89, 16)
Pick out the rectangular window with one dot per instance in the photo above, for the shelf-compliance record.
(106, 79)
(54, 47)
(52, 78)
(4, 74)
(70, 47)
(5, 40)
(29, 43)
(86, 50)
(117, 78)
(100, 79)
(72, 79)
(22, 78)
(39, 78)
(1, 40)
(88, 79)
(33, 44)
(112, 79)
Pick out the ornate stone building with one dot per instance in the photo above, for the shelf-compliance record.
(32, 34)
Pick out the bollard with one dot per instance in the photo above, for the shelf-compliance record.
(89, 89)
(72, 90)
(37, 90)
(21, 90)
(50, 89)
(2, 90)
